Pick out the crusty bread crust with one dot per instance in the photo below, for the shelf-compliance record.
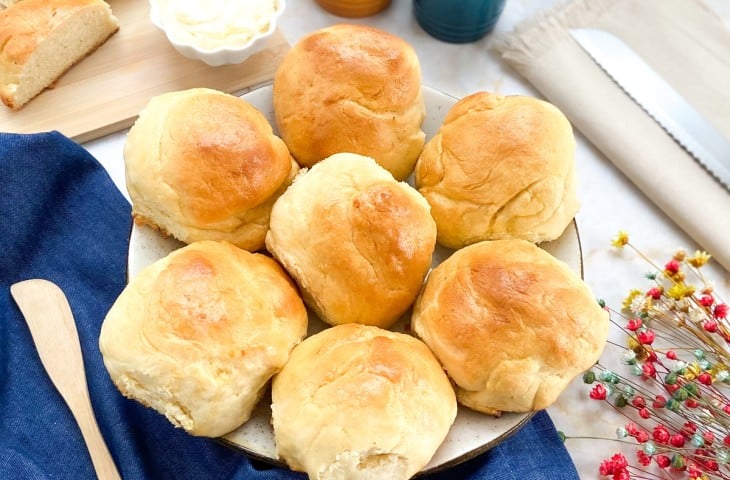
(500, 167)
(205, 165)
(351, 88)
(198, 334)
(357, 242)
(511, 325)
(359, 402)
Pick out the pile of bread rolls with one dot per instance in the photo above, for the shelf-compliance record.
(318, 215)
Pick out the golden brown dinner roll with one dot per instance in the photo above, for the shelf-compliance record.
(357, 242)
(500, 167)
(361, 403)
(198, 334)
(204, 165)
(511, 325)
(351, 88)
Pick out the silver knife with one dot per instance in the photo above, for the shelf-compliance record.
(652, 93)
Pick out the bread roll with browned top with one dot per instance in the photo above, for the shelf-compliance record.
(499, 168)
(205, 165)
(512, 325)
(361, 403)
(198, 334)
(351, 88)
(357, 242)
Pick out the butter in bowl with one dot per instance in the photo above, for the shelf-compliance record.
(217, 32)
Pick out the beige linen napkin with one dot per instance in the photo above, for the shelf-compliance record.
(689, 46)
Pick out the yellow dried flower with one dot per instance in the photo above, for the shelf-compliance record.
(691, 371)
(620, 240)
(699, 259)
(629, 300)
(718, 368)
(680, 290)
(680, 254)
(641, 351)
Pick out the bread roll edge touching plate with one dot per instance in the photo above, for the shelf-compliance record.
(358, 402)
(198, 334)
(201, 164)
(500, 167)
(512, 325)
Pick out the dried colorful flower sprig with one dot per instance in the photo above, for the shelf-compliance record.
(676, 396)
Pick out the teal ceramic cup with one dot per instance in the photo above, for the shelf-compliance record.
(458, 21)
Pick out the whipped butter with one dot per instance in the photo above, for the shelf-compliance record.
(212, 24)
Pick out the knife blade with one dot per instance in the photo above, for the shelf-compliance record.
(658, 98)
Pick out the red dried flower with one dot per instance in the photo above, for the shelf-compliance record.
(632, 428)
(689, 429)
(706, 300)
(649, 370)
(700, 454)
(619, 461)
(704, 378)
(659, 402)
(671, 267)
(615, 466)
(655, 293)
(642, 437)
(691, 403)
(708, 437)
(634, 324)
(720, 311)
(621, 475)
(644, 413)
(710, 326)
(726, 441)
(677, 440)
(606, 468)
(646, 337)
(598, 392)
(638, 402)
(671, 388)
(712, 465)
(644, 459)
(661, 434)
(662, 460)
(671, 355)
(695, 469)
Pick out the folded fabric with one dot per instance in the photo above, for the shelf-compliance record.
(65, 221)
(686, 43)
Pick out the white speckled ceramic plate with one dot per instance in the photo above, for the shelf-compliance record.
(472, 432)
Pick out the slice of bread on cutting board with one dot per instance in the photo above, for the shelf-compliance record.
(41, 39)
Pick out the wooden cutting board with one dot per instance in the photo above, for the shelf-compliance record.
(105, 92)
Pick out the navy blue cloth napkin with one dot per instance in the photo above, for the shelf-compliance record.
(62, 219)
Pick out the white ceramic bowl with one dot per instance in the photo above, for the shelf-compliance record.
(222, 55)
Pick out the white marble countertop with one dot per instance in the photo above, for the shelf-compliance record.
(609, 201)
